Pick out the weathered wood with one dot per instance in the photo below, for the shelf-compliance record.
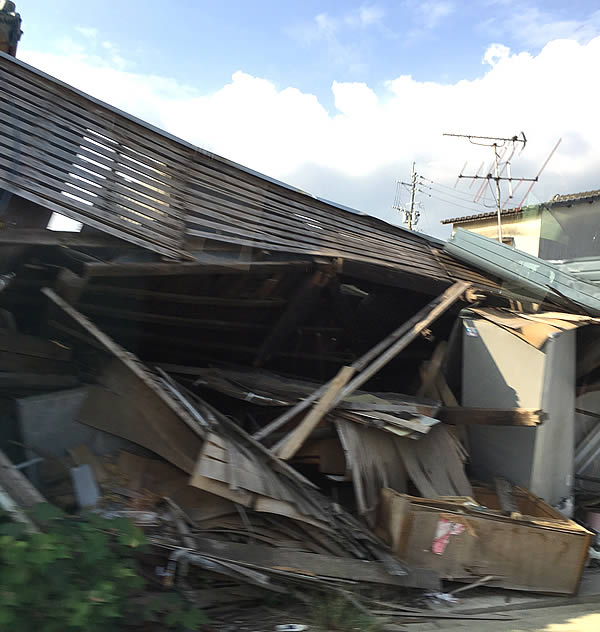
(133, 181)
(135, 293)
(293, 442)
(44, 237)
(311, 563)
(446, 394)
(208, 267)
(458, 415)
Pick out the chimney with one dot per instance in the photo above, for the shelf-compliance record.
(10, 28)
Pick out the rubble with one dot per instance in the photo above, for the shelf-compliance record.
(286, 395)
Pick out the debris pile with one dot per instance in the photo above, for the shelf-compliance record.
(285, 395)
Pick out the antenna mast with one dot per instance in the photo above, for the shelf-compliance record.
(495, 143)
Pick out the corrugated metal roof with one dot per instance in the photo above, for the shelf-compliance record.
(524, 272)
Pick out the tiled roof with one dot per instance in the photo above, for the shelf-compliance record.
(486, 215)
(575, 197)
(557, 199)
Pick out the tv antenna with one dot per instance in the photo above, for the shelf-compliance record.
(411, 214)
(495, 170)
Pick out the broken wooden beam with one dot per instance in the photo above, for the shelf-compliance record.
(294, 441)
(458, 415)
(314, 564)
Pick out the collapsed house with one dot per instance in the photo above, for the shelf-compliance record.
(274, 386)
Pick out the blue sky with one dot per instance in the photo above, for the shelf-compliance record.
(351, 90)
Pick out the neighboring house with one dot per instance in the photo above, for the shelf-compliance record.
(565, 227)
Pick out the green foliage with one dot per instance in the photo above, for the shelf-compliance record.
(337, 613)
(78, 574)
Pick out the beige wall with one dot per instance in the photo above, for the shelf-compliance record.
(525, 230)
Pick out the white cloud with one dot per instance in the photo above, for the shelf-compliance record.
(533, 27)
(354, 154)
(495, 53)
(339, 34)
(365, 16)
(87, 31)
(432, 12)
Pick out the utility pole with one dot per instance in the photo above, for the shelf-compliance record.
(498, 201)
(495, 143)
(411, 216)
(413, 186)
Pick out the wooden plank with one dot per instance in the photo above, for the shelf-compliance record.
(44, 237)
(165, 319)
(447, 395)
(128, 134)
(460, 415)
(204, 267)
(309, 563)
(172, 297)
(294, 441)
(65, 208)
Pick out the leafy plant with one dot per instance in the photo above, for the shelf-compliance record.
(77, 574)
(336, 613)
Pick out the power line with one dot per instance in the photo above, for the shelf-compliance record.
(444, 186)
(468, 200)
(449, 202)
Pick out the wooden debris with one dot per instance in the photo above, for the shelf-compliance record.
(291, 444)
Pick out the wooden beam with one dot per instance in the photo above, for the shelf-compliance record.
(44, 237)
(313, 564)
(214, 266)
(299, 307)
(191, 299)
(458, 415)
(294, 441)
(379, 355)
